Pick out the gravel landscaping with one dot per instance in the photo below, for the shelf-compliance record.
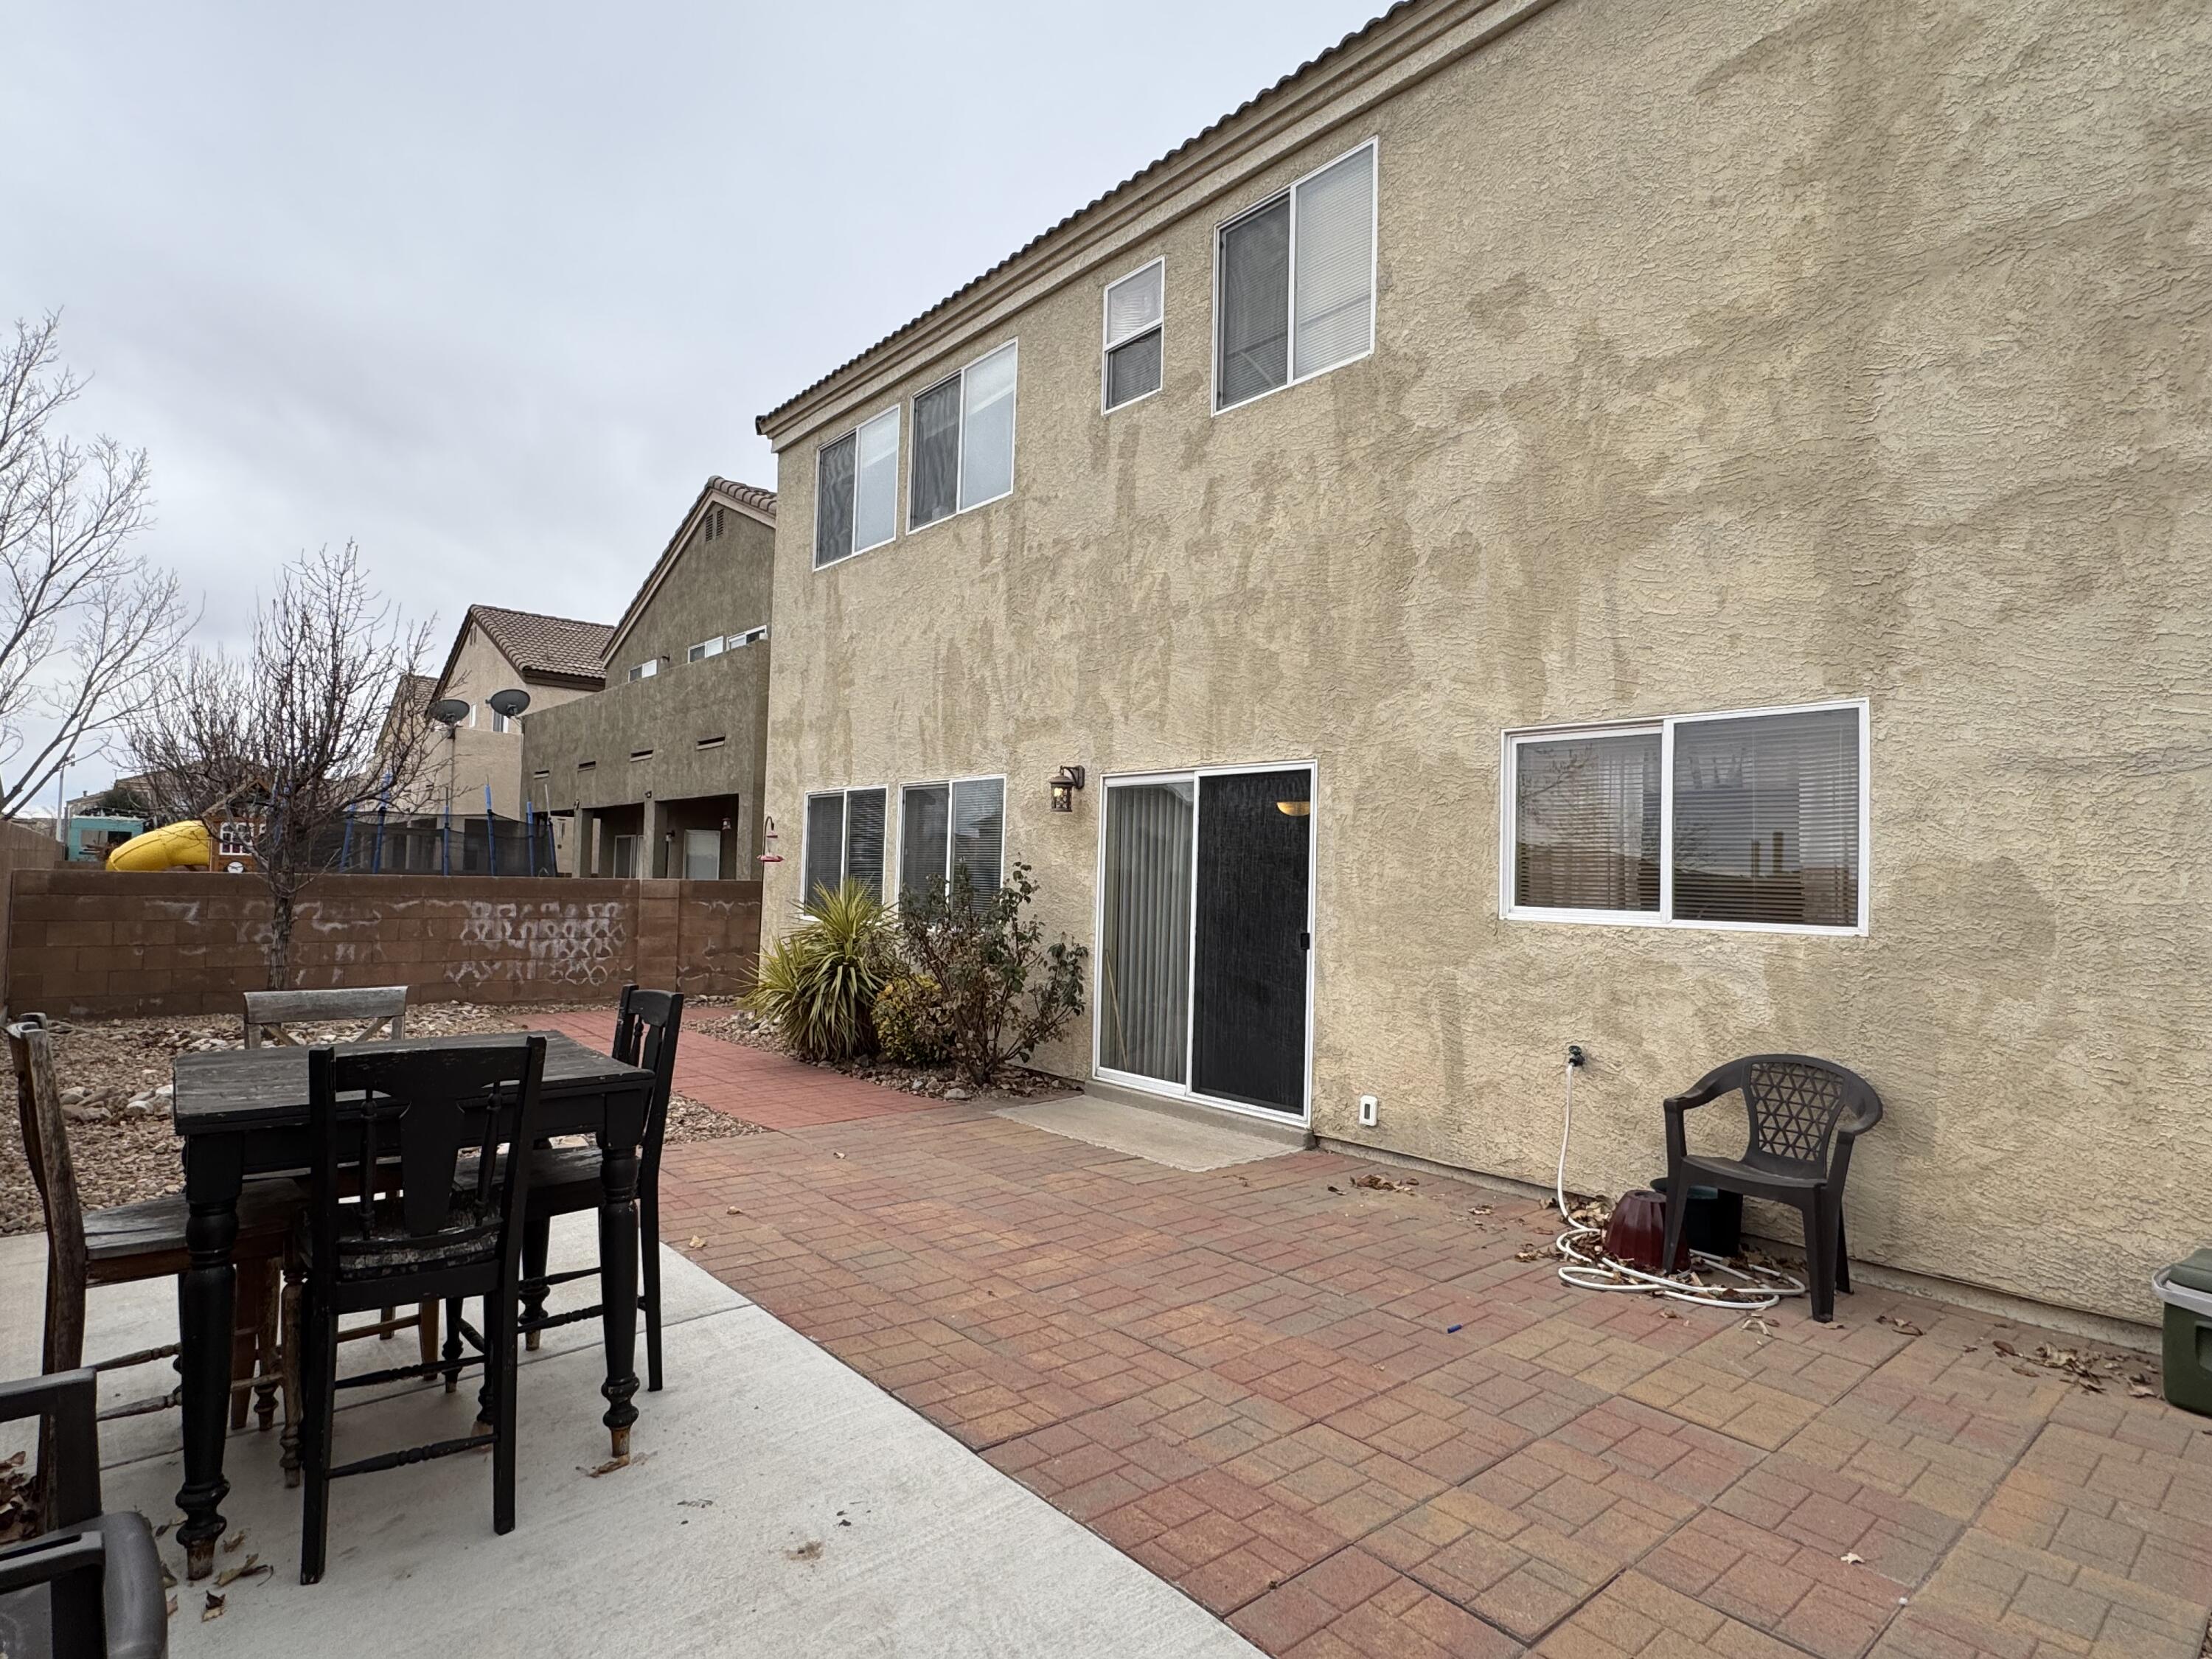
(1012, 1083)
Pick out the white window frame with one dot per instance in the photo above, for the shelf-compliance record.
(1374, 270)
(896, 413)
(960, 448)
(844, 822)
(1106, 332)
(948, 785)
(499, 721)
(644, 671)
(704, 649)
(1665, 725)
(750, 636)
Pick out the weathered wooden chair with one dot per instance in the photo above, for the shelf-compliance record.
(89, 1585)
(383, 1011)
(129, 1242)
(369, 1236)
(565, 1179)
(1804, 1116)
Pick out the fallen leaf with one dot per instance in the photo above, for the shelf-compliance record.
(1850, 1559)
(2006, 1349)
(810, 1551)
(1902, 1327)
(172, 1607)
(836, 1154)
(168, 1578)
(230, 1544)
(252, 1565)
(2142, 1390)
(697, 1240)
(1668, 1313)
(733, 1210)
(213, 1610)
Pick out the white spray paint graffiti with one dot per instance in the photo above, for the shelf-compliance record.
(568, 944)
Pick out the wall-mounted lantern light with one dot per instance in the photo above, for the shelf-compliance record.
(1065, 783)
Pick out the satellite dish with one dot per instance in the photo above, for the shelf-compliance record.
(449, 711)
(509, 703)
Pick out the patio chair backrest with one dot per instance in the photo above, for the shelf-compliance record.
(46, 1146)
(645, 1029)
(1796, 1104)
(382, 1007)
(419, 1109)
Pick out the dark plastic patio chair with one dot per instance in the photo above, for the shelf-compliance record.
(89, 1586)
(1805, 1113)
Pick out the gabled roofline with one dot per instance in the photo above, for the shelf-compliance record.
(749, 500)
(1413, 40)
(528, 676)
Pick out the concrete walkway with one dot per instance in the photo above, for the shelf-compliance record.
(1353, 1421)
(778, 1503)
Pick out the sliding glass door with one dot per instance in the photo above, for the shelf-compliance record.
(1205, 940)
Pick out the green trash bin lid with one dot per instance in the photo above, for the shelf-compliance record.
(2194, 1274)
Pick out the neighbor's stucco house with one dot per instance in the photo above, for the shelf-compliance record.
(1534, 382)
(659, 774)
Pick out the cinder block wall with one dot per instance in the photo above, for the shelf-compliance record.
(92, 944)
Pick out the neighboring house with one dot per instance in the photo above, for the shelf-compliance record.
(553, 658)
(1681, 529)
(661, 771)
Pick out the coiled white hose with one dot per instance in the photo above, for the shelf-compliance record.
(1760, 1287)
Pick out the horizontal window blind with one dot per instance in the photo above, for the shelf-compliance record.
(924, 826)
(1133, 370)
(979, 833)
(1333, 282)
(825, 844)
(987, 428)
(1133, 305)
(1766, 819)
(1586, 823)
(875, 487)
(863, 839)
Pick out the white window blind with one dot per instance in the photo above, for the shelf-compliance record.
(856, 490)
(964, 440)
(979, 833)
(1133, 316)
(1296, 283)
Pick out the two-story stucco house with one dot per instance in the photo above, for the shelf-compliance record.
(660, 773)
(1683, 529)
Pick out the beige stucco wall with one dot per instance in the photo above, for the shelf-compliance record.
(1728, 356)
(476, 755)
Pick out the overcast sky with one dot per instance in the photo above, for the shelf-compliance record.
(492, 289)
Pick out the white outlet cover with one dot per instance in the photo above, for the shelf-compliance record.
(1367, 1109)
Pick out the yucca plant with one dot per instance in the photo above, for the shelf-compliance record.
(818, 984)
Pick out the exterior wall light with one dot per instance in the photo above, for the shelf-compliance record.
(1065, 783)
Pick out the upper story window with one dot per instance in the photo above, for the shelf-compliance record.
(1294, 282)
(964, 440)
(499, 721)
(1756, 820)
(1133, 313)
(856, 490)
(704, 649)
(646, 670)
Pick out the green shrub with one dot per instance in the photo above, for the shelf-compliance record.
(1002, 991)
(910, 1021)
(819, 982)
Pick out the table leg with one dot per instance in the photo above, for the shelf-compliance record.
(618, 1287)
(206, 1296)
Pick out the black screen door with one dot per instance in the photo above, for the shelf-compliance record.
(1250, 942)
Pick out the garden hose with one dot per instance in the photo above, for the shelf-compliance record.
(1593, 1270)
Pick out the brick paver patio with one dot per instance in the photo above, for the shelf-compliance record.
(1352, 1423)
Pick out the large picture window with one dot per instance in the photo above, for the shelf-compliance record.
(844, 841)
(1753, 820)
(856, 490)
(949, 828)
(964, 440)
(1294, 282)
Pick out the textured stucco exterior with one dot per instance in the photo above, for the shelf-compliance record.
(717, 585)
(1727, 356)
(475, 754)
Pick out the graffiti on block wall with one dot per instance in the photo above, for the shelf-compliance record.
(567, 943)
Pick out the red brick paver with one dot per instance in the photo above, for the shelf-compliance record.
(1250, 1382)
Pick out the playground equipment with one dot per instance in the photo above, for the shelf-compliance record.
(183, 845)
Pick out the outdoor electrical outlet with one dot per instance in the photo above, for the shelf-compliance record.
(1367, 1104)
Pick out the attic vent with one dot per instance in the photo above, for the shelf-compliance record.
(713, 743)
(541, 774)
(714, 524)
(585, 766)
(641, 753)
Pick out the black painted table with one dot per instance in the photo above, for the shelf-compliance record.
(244, 1111)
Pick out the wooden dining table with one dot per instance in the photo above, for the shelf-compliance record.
(243, 1112)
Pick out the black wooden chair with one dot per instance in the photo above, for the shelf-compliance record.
(90, 1585)
(565, 1179)
(126, 1243)
(1805, 1113)
(429, 1240)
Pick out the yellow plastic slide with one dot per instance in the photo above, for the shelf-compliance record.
(172, 847)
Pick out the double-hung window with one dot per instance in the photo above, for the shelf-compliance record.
(952, 828)
(1294, 282)
(1753, 820)
(1133, 328)
(856, 490)
(844, 841)
(964, 440)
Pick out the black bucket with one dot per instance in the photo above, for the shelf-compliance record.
(1714, 1224)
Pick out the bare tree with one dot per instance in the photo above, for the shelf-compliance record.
(296, 734)
(84, 622)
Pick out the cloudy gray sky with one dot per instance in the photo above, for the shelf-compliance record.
(491, 289)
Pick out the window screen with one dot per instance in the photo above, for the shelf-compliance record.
(1766, 819)
(1133, 371)
(1255, 321)
(875, 488)
(1586, 823)
(825, 844)
(924, 827)
(936, 489)
(1133, 335)
(987, 428)
(863, 839)
(832, 501)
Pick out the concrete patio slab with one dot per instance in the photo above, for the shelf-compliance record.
(1176, 1142)
(780, 1503)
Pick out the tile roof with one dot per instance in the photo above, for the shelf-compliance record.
(761, 423)
(556, 648)
(751, 497)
